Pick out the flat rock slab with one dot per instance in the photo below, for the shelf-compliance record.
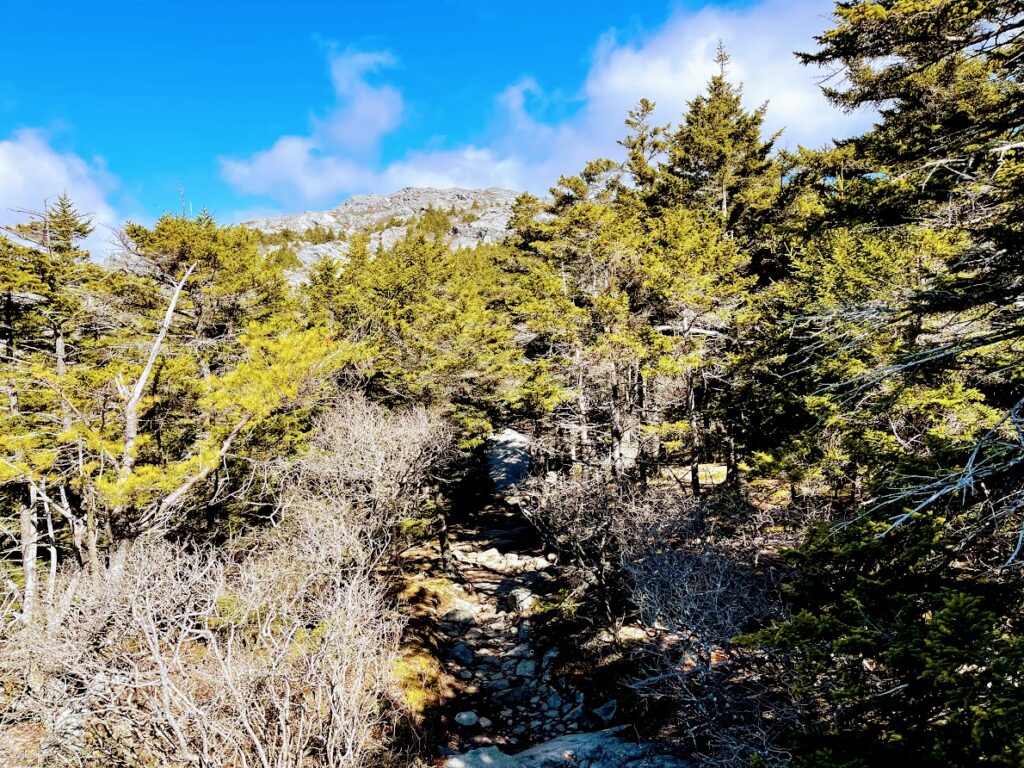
(601, 749)
(489, 757)
(508, 459)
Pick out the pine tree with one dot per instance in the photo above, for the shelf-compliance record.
(909, 290)
(943, 161)
(644, 147)
(717, 159)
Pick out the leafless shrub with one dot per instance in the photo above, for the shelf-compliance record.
(279, 659)
(697, 575)
(703, 596)
(273, 652)
(371, 462)
(702, 582)
(577, 514)
(736, 714)
(595, 523)
(686, 579)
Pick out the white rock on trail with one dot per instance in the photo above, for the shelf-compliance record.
(601, 749)
(488, 757)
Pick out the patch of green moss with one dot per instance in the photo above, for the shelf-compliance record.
(420, 680)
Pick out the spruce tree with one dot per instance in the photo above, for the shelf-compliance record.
(717, 158)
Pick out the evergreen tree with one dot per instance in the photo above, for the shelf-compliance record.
(644, 147)
(945, 156)
(909, 283)
(717, 159)
(122, 430)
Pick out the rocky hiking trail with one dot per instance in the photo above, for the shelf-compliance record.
(502, 703)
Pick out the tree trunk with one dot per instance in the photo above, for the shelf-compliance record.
(732, 476)
(9, 322)
(651, 447)
(92, 549)
(696, 443)
(134, 398)
(616, 428)
(584, 433)
(29, 552)
(60, 354)
(443, 543)
(52, 548)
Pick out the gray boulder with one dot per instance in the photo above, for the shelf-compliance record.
(526, 668)
(606, 712)
(602, 749)
(467, 718)
(462, 613)
(521, 651)
(463, 654)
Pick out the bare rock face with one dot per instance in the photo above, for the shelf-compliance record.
(476, 216)
(603, 749)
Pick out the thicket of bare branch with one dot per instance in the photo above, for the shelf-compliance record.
(702, 591)
(696, 573)
(372, 462)
(272, 652)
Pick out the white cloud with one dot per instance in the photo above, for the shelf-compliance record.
(464, 167)
(32, 172)
(670, 65)
(368, 112)
(332, 158)
(673, 64)
(294, 165)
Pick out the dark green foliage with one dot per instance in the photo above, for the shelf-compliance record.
(908, 647)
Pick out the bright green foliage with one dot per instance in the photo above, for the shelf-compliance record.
(644, 147)
(319, 234)
(233, 364)
(929, 302)
(235, 281)
(423, 323)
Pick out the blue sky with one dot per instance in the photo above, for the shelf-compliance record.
(257, 107)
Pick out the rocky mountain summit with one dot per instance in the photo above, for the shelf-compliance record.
(476, 216)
